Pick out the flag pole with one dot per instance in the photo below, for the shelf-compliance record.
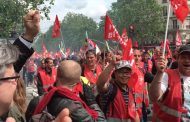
(62, 40)
(166, 32)
(86, 34)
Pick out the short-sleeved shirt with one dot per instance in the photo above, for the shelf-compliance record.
(186, 87)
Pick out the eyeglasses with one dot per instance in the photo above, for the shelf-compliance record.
(10, 78)
(137, 55)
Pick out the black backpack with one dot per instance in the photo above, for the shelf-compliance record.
(44, 116)
(109, 100)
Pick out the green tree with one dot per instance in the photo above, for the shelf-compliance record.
(12, 12)
(145, 15)
(73, 29)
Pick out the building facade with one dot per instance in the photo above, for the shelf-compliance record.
(176, 25)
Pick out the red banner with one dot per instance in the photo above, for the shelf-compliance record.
(56, 28)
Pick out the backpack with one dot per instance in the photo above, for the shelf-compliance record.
(108, 102)
(44, 116)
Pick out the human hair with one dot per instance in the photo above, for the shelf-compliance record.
(48, 59)
(92, 51)
(19, 97)
(68, 72)
(144, 53)
(8, 55)
(42, 60)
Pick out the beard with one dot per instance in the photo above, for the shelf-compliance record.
(48, 70)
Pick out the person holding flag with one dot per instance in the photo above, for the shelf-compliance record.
(169, 90)
(116, 95)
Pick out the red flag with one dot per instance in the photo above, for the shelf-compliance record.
(128, 52)
(178, 41)
(180, 8)
(167, 47)
(124, 35)
(111, 32)
(91, 44)
(56, 28)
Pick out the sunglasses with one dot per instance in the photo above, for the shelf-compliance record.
(10, 78)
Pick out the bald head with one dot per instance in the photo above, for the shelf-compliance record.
(68, 72)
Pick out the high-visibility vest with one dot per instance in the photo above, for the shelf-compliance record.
(40, 68)
(46, 79)
(171, 107)
(139, 92)
(118, 111)
(84, 80)
(90, 76)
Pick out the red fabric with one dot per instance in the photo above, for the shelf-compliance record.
(172, 100)
(139, 89)
(40, 68)
(48, 80)
(111, 32)
(90, 76)
(31, 66)
(66, 93)
(178, 41)
(128, 52)
(124, 35)
(56, 28)
(91, 44)
(118, 109)
(167, 47)
(180, 8)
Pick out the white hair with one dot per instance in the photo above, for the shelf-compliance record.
(8, 55)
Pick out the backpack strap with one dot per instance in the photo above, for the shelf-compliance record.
(110, 99)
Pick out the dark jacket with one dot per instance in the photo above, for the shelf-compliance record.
(58, 103)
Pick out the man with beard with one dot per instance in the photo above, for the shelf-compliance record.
(47, 77)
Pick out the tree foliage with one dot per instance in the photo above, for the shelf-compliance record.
(12, 12)
(73, 29)
(145, 16)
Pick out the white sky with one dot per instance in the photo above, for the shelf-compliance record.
(90, 8)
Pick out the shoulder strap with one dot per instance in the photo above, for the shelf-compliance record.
(110, 99)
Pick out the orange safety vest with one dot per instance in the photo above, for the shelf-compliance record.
(48, 80)
(119, 111)
(171, 107)
(141, 92)
(90, 76)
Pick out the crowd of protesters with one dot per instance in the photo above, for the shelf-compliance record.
(93, 87)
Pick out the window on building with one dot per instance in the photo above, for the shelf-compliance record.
(165, 11)
(164, 1)
(175, 24)
(187, 26)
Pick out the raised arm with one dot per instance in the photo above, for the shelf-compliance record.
(24, 42)
(155, 92)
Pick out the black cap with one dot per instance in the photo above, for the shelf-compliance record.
(184, 48)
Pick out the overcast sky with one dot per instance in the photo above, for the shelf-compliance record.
(90, 8)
